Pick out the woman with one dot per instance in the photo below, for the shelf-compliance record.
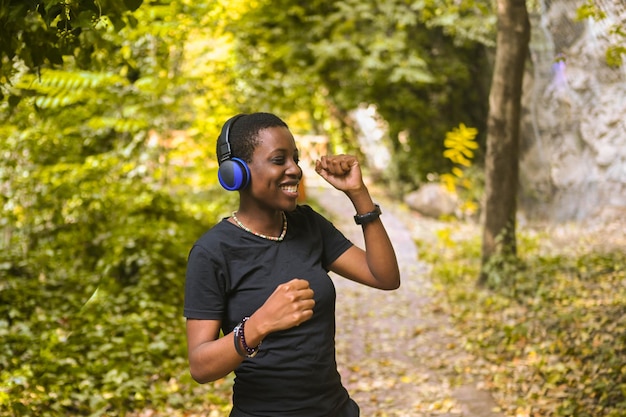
(261, 277)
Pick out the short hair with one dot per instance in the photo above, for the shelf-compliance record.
(244, 133)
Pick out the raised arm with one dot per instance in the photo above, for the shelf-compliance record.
(376, 266)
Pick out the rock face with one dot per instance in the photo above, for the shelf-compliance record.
(573, 142)
(432, 200)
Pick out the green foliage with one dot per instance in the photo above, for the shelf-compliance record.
(93, 260)
(41, 32)
(92, 289)
(590, 10)
(93, 228)
(552, 334)
(422, 64)
(54, 89)
(616, 49)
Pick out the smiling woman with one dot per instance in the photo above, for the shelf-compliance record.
(261, 277)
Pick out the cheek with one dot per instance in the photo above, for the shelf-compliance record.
(261, 180)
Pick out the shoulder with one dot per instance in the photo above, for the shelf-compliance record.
(310, 222)
(212, 238)
(306, 213)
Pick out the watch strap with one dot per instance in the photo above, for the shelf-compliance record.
(368, 217)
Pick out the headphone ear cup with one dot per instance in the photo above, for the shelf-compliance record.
(234, 174)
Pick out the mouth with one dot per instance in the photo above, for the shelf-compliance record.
(290, 188)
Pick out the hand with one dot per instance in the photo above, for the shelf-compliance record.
(289, 305)
(340, 171)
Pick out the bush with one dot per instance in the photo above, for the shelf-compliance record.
(91, 299)
(553, 330)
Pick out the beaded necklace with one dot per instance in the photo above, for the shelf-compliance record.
(274, 238)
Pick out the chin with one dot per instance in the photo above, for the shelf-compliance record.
(291, 207)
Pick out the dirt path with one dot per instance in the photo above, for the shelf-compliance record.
(398, 354)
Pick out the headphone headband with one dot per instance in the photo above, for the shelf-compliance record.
(224, 151)
(233, 173)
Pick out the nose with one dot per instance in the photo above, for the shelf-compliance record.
(294, 169)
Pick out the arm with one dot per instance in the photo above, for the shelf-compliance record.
(212, 357)
(204, 347)
(376, 266)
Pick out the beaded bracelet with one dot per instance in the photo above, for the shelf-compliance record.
(250, 352)
(236, 332)
(240, 337)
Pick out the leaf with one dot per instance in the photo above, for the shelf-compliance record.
(133, 5)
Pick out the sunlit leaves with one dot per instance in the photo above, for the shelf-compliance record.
(92, 228)
(593, 9)
(460, 143)
(414, 61)
(614, 55)
(105, 254)
(42, 32)
(54, 88)
(589, 9)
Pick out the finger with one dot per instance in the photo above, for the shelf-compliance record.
(334, 166)
(307, 307)
(304, 316)
(307, 304)
(344, 164)
(299, 283)
(319, 166)
(306, 294)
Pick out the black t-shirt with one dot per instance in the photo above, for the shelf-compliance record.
(231, 273)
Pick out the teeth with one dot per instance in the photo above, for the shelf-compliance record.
(290, 188)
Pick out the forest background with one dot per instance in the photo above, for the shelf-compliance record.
(110, 112)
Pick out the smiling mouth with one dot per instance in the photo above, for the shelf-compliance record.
(290, 188)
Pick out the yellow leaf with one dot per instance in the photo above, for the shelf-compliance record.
(469, 207)
(449, 152)
(467, 153)
(450, 143)
(471, 144)
(448, 182)
(461, 160)
(468, 132)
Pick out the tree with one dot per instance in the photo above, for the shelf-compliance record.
(36, 33)
(423, 64)
(501, 162)
(91, 223)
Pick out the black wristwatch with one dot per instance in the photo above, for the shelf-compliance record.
(368, 217)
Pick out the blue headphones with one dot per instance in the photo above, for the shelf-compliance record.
(233, 173)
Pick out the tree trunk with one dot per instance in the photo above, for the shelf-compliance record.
(501, 161)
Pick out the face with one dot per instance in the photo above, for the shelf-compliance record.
(274, 170)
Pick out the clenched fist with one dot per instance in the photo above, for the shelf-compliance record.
(340, 171)
(289, 305)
